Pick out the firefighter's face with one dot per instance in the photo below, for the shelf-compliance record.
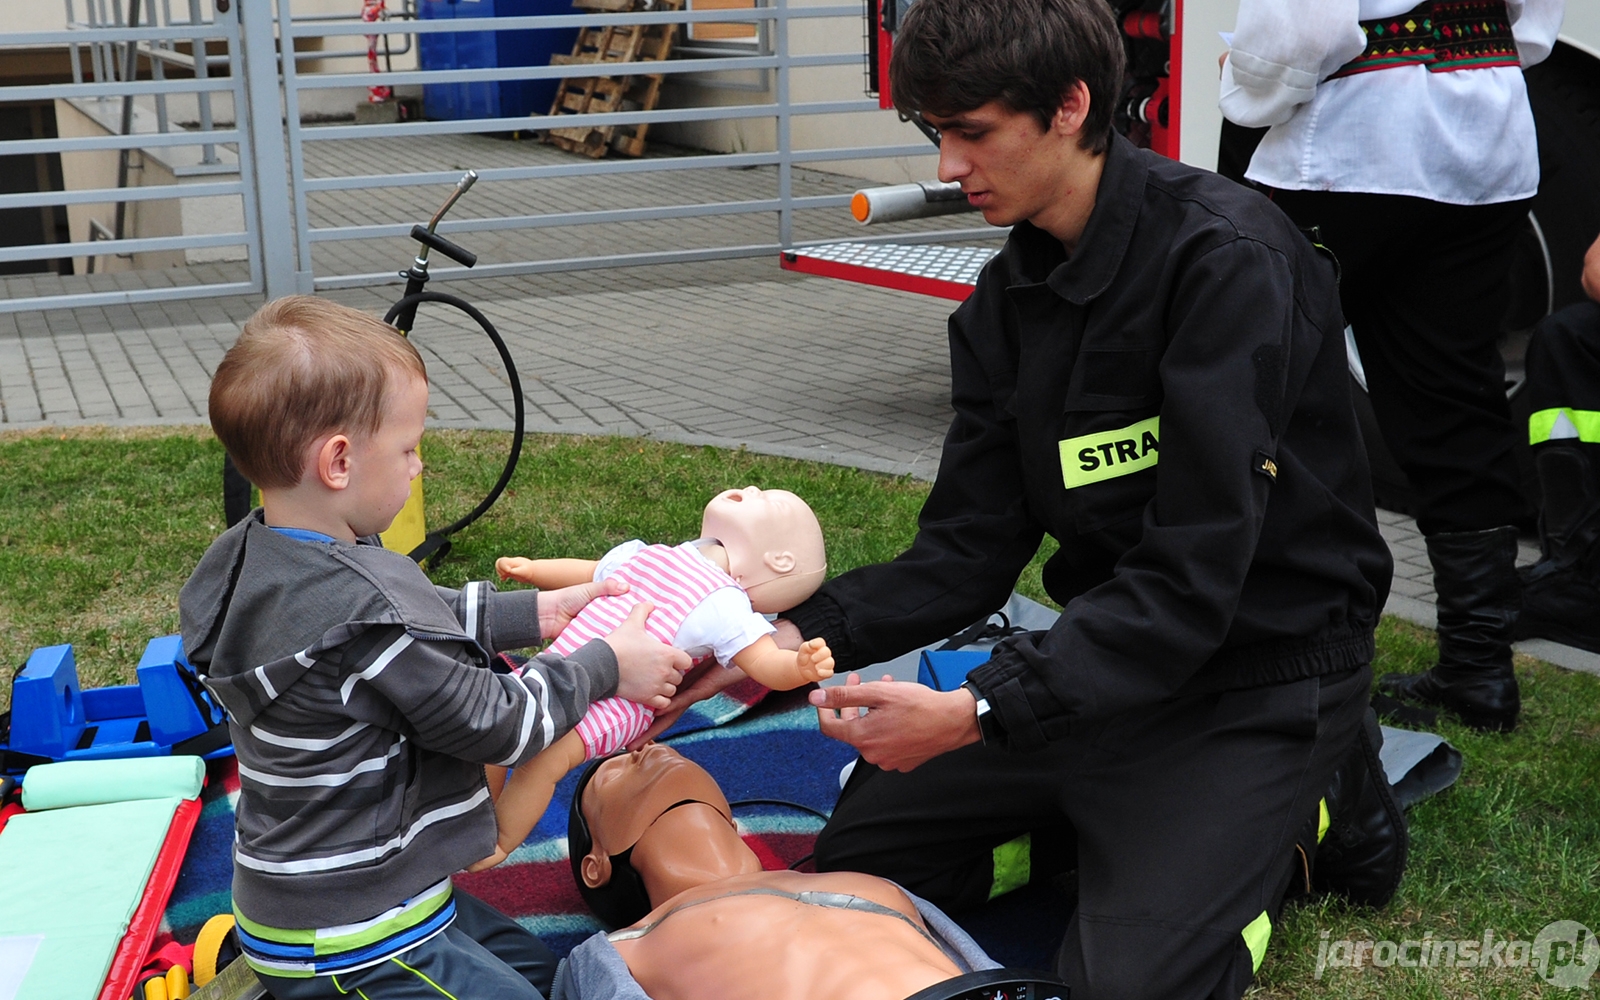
(1011, 167)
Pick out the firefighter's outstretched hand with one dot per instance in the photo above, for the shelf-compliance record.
(897, 726)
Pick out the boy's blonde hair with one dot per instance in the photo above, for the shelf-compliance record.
(302, 368)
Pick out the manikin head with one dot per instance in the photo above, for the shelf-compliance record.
(630, 807)
(774, 545)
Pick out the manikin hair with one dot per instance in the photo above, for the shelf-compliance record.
(304, 367)
(955, 56)
(623, 900)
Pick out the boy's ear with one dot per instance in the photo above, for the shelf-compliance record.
(333, 462)
(596, 869)
(779, 562)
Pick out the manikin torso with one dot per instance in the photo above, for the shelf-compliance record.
(714, 938)
(755, 947)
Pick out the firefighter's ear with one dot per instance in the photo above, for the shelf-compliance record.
(1073, 111)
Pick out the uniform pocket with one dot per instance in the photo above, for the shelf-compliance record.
(1115, 380)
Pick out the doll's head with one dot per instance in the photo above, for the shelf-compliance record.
(774, 545)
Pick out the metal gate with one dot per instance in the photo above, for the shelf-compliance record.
(273, 202)
(127, 171)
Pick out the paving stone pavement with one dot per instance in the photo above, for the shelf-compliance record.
(735, 353)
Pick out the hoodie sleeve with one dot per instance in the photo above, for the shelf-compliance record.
(431, 691)
(499, 621)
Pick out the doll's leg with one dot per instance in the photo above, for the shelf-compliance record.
(495, 776)
(526, 795)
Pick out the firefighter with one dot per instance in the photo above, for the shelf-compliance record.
(1152, 371)
(1562, 597)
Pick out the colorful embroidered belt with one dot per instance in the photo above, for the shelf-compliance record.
(1443, 35)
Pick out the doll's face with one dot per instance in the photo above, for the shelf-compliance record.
(631, 791)
(771, 537)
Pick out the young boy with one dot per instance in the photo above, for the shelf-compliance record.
(360, 697)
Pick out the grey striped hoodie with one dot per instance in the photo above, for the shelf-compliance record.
(362, 706)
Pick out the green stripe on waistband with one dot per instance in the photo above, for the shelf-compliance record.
(337, 940)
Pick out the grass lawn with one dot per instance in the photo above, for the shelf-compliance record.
(99, 529)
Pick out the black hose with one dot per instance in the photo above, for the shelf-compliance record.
(438, 541)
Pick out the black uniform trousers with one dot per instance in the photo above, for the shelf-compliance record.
(1424, 286)
(483, 953)
(1563, 368)
(1181, 819)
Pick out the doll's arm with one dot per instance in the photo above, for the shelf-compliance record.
(784, 669)
(526, 795)
(546, 574)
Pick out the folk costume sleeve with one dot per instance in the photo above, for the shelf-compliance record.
(1281, 50)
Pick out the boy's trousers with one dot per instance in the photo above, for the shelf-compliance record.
(482, 954)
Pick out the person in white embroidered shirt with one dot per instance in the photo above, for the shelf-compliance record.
(759, 552)
(1402, 140)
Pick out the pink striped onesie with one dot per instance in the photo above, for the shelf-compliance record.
(676, 582)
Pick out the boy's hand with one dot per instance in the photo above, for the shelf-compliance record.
(815, 660)
(701, 683)
(649, 670)
(557, 608)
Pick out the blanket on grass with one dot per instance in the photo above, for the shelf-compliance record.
(773, 751)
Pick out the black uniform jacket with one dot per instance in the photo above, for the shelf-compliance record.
(1172, 405)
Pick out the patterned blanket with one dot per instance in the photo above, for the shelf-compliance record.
(772, 751)
(757, 744)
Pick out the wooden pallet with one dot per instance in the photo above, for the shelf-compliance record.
(602, 94)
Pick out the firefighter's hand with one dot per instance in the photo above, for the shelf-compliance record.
(557, 608)
(903, 725)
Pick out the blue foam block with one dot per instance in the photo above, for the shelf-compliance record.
(946, 670)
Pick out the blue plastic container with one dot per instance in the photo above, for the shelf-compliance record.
(946, 670)
(490, 50)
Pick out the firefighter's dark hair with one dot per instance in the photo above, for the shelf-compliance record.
(953, 56)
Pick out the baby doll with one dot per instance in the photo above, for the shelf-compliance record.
(760, 552)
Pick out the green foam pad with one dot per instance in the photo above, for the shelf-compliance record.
(73, 878)
(93, 782)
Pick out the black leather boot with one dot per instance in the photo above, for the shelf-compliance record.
(1479, 594)
(1561, 593)
(1363, 854)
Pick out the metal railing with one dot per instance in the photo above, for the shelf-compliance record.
(117, 41)
(289, 230)
(773, 56)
